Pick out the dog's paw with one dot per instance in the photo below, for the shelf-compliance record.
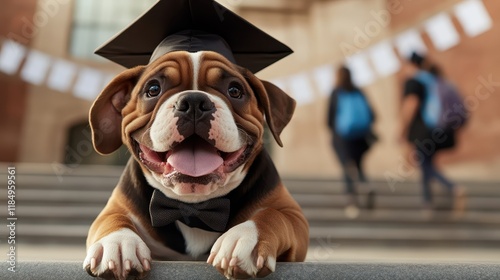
(118, 255)
(237, 254)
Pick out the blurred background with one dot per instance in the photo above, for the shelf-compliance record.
(49, 77)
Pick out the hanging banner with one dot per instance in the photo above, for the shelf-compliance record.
(36, 67)
(281, 83)
(473, 17)
(300, 89)
(442, 32)
(324, 77)
(11, 57)
(384, 59)
(408, 42)
(88, 84)
(61, 75)
(361, 72)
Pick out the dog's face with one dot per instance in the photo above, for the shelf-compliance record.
(194, 121)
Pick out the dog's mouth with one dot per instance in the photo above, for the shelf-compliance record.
(193, 157)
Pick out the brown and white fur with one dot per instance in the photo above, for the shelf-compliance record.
(145, 109)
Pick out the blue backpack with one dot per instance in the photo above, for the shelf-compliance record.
(431, 109)
(441, 101)
(353, 119)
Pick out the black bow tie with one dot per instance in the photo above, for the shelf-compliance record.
(211, 215)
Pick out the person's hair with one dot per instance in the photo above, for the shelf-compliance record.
(436, 70)
(418, 60)
(344, 79)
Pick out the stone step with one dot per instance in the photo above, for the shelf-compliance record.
(58, 197)
(300, 186)
(56, 176)
(375, 234)
(483, 203)
(53, 182)
(84, 215)
(63, 215)
(98, 198)
(333, 217)
(76, 234)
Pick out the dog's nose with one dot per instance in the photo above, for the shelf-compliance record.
(195, 105)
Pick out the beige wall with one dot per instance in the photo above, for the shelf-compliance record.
(316, 35)
(51, 114)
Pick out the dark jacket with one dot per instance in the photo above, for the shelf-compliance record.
(418, 133)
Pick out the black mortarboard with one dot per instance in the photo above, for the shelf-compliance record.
(193, 25)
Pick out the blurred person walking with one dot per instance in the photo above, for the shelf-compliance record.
(350, 119)
(431, 112)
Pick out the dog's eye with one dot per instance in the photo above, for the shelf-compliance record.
(153, 89)
(235, 92)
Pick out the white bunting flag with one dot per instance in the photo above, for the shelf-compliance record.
(473, 17)
(35, 68)
(408, 42)
(61, 75)
(384, 59)
(300, 89)
(11, 56)
(107, 78)
(361, 72)
(324, 77)
(88, 84)
(442, 32)
(281, 83)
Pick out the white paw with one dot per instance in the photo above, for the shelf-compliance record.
(234, 254)
(118, 255)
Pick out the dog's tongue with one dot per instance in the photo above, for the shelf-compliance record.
(195, 157)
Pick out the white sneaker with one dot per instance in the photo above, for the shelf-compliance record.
(351, 211)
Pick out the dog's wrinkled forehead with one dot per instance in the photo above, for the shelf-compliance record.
(182, 71)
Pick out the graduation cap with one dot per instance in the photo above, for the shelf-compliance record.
(193, 25)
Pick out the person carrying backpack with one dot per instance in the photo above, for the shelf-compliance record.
(350, 119)
(429, 121)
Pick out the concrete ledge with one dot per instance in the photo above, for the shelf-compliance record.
(200, 270)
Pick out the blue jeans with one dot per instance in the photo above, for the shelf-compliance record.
(429, 171)
(351, 166)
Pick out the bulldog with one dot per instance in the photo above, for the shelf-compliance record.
(199, 184)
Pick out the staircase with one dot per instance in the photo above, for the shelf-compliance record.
(398, 218)
(57, 204)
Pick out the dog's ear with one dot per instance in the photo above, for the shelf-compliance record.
(277, 105)
(106, 113)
